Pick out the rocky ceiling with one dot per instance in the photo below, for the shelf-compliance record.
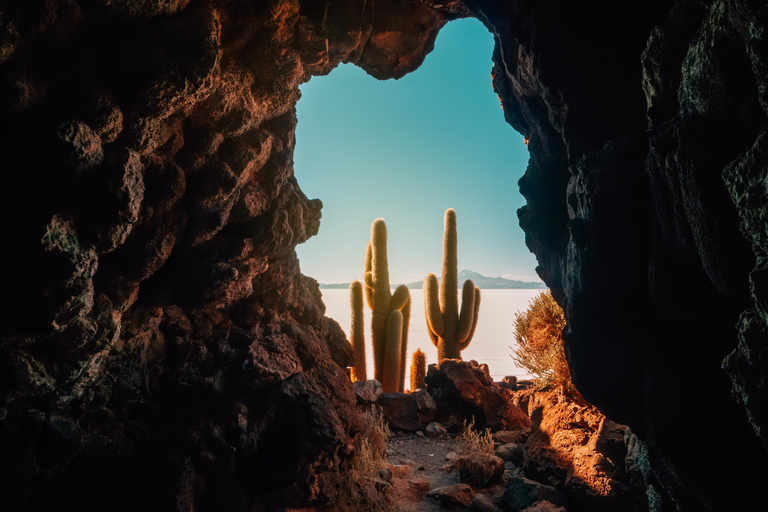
(156, 332)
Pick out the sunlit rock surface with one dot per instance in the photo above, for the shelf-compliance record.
(156, 333)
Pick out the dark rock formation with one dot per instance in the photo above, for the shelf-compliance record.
(408, 411)
(159, 347)
(156, 332)
(642, 209)
(465, 392)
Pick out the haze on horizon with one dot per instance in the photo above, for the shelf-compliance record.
(406, 150)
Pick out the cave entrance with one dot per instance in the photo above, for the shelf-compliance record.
(406, 150)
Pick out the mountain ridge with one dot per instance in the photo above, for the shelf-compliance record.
(481, 281)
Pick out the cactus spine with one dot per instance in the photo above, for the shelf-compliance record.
(357, 337)
(390, 313)
(418, 370)
(450, 331)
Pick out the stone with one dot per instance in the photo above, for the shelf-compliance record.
(521, 493)
(451, 496)
(483, 503)
(464, 390)
(508, 382)
(544, 506)
(411, 412)
(480, 469)
(435, 429)
(367, 391)
(417, 487)
(386, 475)
(79, 146)
(507, 436)
(399, 470)
(511, 452)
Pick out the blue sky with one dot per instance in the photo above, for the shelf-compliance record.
(406, 150)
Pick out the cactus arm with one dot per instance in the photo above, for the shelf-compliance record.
(466, 319)
(406, 311)
(368, 287)
(449, 286)
(400, 297)
(391, 371)
(357, 331)
(464, 345)
(379, 264)
(432, 308)
(368, 278)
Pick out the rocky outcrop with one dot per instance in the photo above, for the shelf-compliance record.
(465, 392)
(645, 213)
(156, 331)
(159, 347)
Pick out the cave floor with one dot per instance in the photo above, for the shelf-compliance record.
(427, 463)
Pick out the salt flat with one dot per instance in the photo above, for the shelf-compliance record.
(490, 345)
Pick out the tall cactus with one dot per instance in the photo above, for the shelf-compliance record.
(357, 336)
(450, 331)
(390, 313)
(418, 370)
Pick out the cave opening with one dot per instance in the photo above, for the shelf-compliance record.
(406, 150)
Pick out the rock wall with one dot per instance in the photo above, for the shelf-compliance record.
(159, 347)
(646, 208)
(156, 332)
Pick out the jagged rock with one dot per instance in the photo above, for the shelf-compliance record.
(508, 382)
(511, 452)
(407, 411)
(509, 436)
(480, 469)
(544, 506)
(367, 391)
(435, 429)
(417, 487)
(452, 496)
(521, 493)
(464, 390)
(483, 503)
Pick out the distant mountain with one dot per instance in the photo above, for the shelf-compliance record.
(489, 283)
(334, 286)
(486, 283)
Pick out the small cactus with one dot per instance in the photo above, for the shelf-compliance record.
(357, 336)
(418, 370)
(450, 331)
(388, 369)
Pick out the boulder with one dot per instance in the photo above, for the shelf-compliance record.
(367, 391)
(509, 382)
(452, 496)
(544, 506)
(511, 452)
(464, 390)
(521, 493)
(408, 411)
(435, 429)
(483, 503)
(480, 469)
(508, 436)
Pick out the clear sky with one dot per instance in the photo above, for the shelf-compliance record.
(406, 150)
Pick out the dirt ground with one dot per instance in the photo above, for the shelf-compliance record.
(425, 459)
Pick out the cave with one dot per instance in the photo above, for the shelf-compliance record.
(159, 347)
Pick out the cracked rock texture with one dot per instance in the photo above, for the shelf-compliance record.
(159, 347)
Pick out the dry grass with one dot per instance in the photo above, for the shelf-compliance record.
(371, 444)
(539, 339)
(357, 491)
(473, 440)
